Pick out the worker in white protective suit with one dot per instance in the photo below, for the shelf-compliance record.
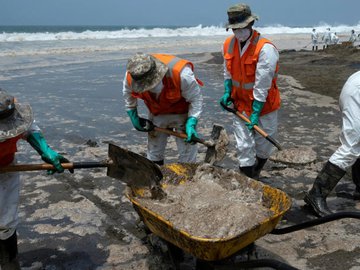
(346, 156)
(334, 38)
(314, 39)
(326, 38)
(353, 37)
(171, 92)
(16, 122)
(250, 74)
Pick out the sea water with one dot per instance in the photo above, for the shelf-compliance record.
(72, 75)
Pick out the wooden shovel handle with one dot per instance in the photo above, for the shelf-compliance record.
(181, 135)
(260, 131)
(46, 166)
(257, 128)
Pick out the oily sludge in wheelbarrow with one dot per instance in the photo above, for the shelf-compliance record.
(210, 212)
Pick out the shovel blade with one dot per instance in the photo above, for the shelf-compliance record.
(133, 169)
(211, 153)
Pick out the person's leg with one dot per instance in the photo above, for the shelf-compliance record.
(245, 144)
(187, 151)
(324, 183)
(9, 253)
(264, 149)
(156, 142)
(355, 171)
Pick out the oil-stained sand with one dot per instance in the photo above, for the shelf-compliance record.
(213, 203)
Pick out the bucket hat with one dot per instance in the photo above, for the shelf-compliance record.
(15, 118)
(146, 72)
(239, 16)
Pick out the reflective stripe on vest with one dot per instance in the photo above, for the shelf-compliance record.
(170, 100)
(8, 150)
(243, 74)
(246, 86)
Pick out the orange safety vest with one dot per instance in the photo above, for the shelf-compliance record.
(170, 100)
(7, 150)
(243, 70)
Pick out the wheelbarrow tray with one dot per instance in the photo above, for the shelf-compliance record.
(211, 249)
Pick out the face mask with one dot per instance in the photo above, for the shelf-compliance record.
(242, 34)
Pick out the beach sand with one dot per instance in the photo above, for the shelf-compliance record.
(84, 221)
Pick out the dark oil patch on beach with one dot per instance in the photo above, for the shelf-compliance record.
(323, 71)
(339, 259)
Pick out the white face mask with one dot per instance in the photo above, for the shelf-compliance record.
(242, 34)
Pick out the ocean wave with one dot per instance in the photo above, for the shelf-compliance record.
(133, 33)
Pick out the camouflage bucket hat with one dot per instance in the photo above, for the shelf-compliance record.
(15, 118)
(239, 16)
(146, 72)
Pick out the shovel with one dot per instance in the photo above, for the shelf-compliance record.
(129, 167)
(257, 128)
(211, 152)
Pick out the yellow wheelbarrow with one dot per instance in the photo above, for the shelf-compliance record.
(209, 249)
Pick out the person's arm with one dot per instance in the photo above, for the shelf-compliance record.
(265, 72)
(140, 124)
(225, 99)
(191, 91)
(36, 139)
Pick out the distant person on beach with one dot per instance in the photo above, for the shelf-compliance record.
(346, 156)
(334, 38)
(16, 122)
(352, 36)
(314, 39)
(172, 94)
(250, 74)
(326, 38)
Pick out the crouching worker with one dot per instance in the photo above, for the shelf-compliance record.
(16, 122)
(346, 156)
(171, 92)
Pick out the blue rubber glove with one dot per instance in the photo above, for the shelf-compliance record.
(37, 141)
(257, 106)
(140, 124)
(190, 126)
(225, 99)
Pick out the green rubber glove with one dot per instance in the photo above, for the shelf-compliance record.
(257, 106)
(190, 128)
(48, 155)
(225, 99)
(140, 124)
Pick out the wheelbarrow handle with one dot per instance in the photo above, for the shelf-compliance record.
(256, 127)
(46, 166)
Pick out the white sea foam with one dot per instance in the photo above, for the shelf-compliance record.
(28, 48)
(196, 31)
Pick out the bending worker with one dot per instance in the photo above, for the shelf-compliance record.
(169, 89)
(16, 122)
(346, 156)
(250, 73)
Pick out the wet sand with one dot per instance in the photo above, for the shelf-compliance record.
(84, 221)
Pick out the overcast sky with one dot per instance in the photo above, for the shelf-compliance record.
(174, 13)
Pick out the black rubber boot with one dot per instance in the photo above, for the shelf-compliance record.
(9, 254)
(248, 171)
(260, 162)
(324, 183)
(355, 171)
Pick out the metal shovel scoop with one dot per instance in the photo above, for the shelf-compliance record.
(129, 167)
